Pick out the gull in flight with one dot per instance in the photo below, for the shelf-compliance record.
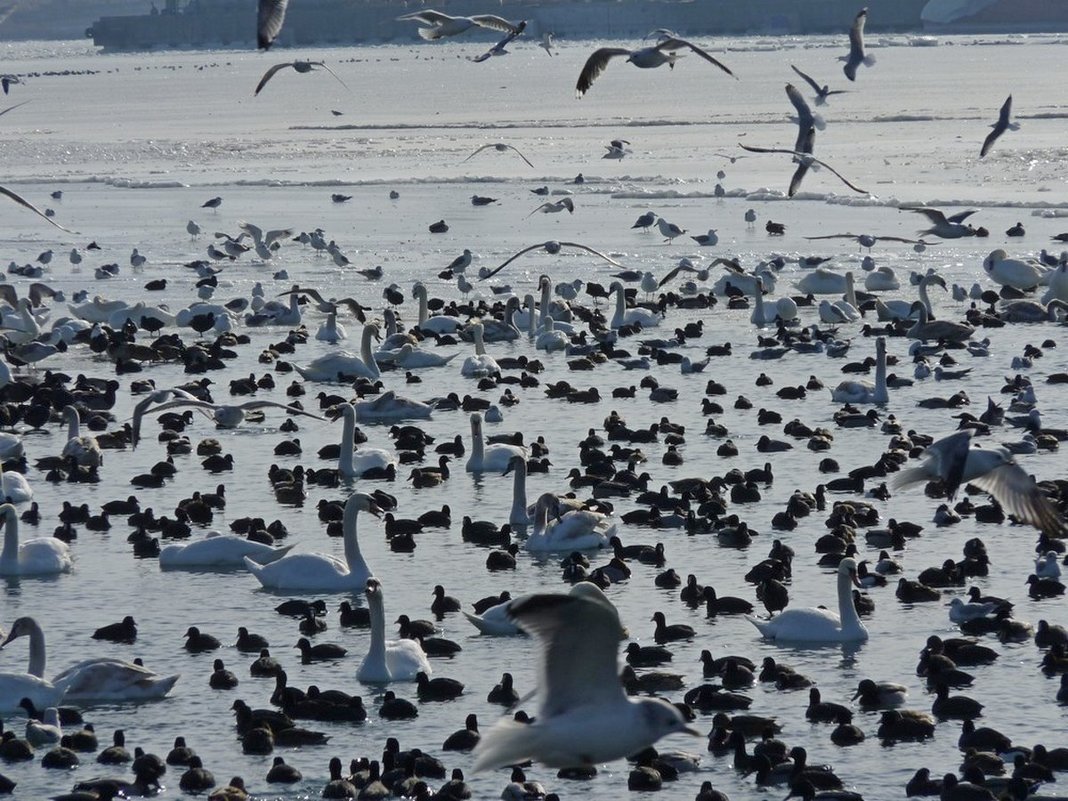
(550, 207)
(868, 240)
(999, 127)
(956, 461)
(300, 66)
(224, 416)
(552, 247)
(500, 147)
(329, 306)
(616, 149)
(499, 48)
(26, 204)
(435, 25)
(856, 55)
(646, 58)
(946, 227)
(684, 266)
(822, 92)
(805, 118)
(270, 15)
(548, 42)
(805, 160)
(584, 716)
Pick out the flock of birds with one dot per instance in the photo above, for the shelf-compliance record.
(588, 712)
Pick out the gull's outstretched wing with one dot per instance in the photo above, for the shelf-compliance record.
(590, 250)
(497, 269)
(805, 157)
(477, 151)
(12, 108)
(269, 18)
(26, 204)
(807, 79)
(512, 147)
(595, 65)
(674, 43)
(1000, 127)
(270, 74)
(934, 215)
(495, 23)
(1022, 498)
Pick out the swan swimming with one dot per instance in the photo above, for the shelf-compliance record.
(818, 625)
(388, 661)
(354, 463)
(577, 530)
(480, 364)
(16, 488)
(862, 391)
(318, 571)
(494, 457)
(333, 366)
(218, 550)
(42, 556)
(624, 316)
(83, 448)
(101, 680)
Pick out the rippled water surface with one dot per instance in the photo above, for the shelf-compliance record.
(138, 142)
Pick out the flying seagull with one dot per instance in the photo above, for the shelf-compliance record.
(552, 247)
(499, 48)
(856, 55)
(805, 160)
(805, 118)
(822, 92)
(999, 127)
(435, 25)
(646, 58)
(584, 716)
(550, 207)
(12, 108)
(946, 227)
(868, 240)
(269, 18)
(500, 147)
(302, 67)
(956, 461)
(26, 204)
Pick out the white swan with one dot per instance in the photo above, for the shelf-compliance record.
(218, 551)
(577, 530)
(1017, 273)
(43, 556)
(495, 621)
(494, 457)
(480, 364)
(92, 680)
(903, 309)
(16, 686)
(439, 324)
(822, 281)
(411, 358)
(344, 364)
(819, 625)
(1058, 284)
(551, 338)
(10, 444)
(330, 331)
(15, 487)
(882, 279)
(44, 732)
(386, 661)
(1032, 311)
(519, 516)
(924, 328)
(863, 391)
(354, 463)
(83, 448)
(322, 572)
(762, 315)
(624, 316)
(390, 407)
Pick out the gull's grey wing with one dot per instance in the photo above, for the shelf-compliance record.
(512, 147)
(12, 108)
(477, 151)
(674, 43)
(495, 23)
(598, 253)
(26, 204)
(1022, 498)
(496, 270)
(595, 65)
(269, 18)
(807, 79)
(936, 216)
(270, 74)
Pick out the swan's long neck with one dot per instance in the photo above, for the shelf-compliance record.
(10, 554)
(546, 288)
(758, 312)
(881, 394)
(348, 435)
(73, 423)
(850, 293)
(366, 353)
(423, 307)
(617, 320)
(480, 343)
(519, 491)
(477, 446)
(532, 327)
(924, 298)
(38, 661)
(376, 653)
(847, 613)
(352, 542)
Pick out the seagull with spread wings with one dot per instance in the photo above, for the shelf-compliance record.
(805, 160)
(551, 207)
(552, 247)
(26, 204)
(805, 118)
(999, 127)
(868, 240)
(500, 147)
(436, 25)
(499, 48)
(856, 56)
(270, 14)
(663, 52)
(945, 226)
(329, 306)
(302, 67)
(822, 92)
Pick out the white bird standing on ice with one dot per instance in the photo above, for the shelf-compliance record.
(669, 230)
(584, 717)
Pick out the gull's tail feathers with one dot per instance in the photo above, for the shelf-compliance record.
(507, 743)
(909, 476)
